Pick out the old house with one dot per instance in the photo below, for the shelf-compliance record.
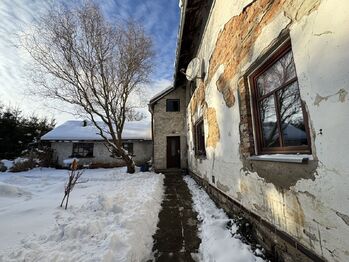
(266, 112)
(81, 139)
(168, 110)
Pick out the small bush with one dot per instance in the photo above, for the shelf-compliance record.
(23, 164)
(3, 168)
(106, 165)
(45, 156)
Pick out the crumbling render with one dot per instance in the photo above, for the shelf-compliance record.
(224, 87)
(198, 98)
(344, 217)
(213, 135)
(234, 47)
(342, 95)
(235, 42)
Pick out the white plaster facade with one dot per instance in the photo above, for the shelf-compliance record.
(314, 212)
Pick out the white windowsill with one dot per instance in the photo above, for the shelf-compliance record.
(295, 158)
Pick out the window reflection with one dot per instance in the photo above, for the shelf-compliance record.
(277, 75)
(281, 120)
(291, 115)
(269, 122)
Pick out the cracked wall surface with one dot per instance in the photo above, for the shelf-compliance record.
(303, 200)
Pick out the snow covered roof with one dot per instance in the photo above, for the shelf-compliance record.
(75, 130)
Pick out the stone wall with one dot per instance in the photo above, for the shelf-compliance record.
(305, 201)
(169, 124)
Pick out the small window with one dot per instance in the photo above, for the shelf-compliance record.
(281, 121)
(199, 138)
(172, 105)
(128, 147)
(192, 86)
(82, 150)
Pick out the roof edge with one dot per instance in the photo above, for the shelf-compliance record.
(160, 95)
(183, 6)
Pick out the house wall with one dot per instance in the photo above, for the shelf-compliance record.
(309, 202)
(169, 124)
(142, 153)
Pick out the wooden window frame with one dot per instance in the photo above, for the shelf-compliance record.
(266, 64)
(171, 100)
(199, 153)
(77, 146)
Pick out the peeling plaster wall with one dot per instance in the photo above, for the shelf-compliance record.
(313, 209)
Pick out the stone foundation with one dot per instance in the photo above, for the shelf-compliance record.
(280, 245)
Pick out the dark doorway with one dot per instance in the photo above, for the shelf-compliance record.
(173, 152)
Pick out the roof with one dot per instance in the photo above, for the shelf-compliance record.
(160, 95)
(75, 130)
(194, 15)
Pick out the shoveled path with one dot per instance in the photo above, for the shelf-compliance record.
(176, 238)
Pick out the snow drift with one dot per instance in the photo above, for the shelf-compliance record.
(111, 217)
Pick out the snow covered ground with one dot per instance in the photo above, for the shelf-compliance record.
(110, 217)
(219, 243)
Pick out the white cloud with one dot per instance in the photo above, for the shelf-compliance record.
(17, 15)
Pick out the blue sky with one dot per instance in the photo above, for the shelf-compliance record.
(160, 19)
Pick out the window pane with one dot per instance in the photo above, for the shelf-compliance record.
(269, 123)
(128, 147)
(277, 75)
(172, 105)
(291, 114)
(200, 138)
(83, 150)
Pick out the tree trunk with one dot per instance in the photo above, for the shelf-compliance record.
(131, 168)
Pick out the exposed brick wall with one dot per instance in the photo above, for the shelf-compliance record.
(245, 128)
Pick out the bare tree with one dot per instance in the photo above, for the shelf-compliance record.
(84, 60)
(73, 177)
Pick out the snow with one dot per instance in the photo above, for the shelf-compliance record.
(7, 163)
(218, 242)
(69, 161)
(111, 216)
(12, 191)
(75, 130)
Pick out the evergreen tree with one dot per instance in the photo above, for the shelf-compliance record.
(18, 133)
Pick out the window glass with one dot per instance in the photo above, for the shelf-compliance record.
(172, 105)
(292, 121)
(200, 149)
(277, 75)
(128, 147)
(82, 150)
(269, 122)
(280, 117)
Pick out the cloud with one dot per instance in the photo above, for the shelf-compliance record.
(160, 19)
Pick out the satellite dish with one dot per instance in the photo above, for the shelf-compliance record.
(194, 69)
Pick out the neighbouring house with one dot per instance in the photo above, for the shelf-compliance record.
(81, 139)
(266, 112)
(168, 109)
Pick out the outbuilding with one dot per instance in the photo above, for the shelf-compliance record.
(81, 139)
